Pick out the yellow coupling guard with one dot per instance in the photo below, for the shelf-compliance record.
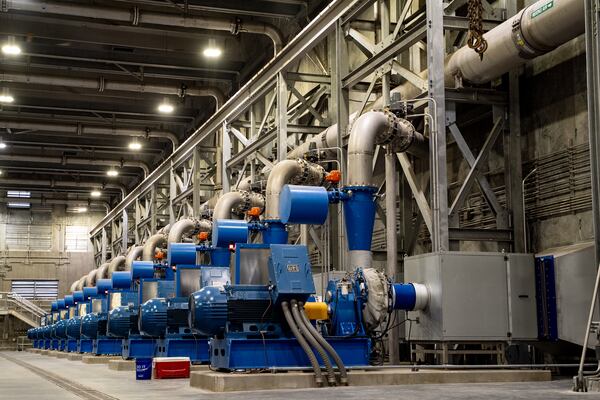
(316, 310)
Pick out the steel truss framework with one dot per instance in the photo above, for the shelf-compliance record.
(282, 106)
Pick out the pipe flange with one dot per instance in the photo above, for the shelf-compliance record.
(403, 141)
(388, 135)
(245, 203)
(526, 49)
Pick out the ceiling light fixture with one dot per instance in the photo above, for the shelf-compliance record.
(165, 107)
(212, 50)
(5, 96)
(135, 145)
(96, 193)
(11, 48)
(112, 172)
(81, 209)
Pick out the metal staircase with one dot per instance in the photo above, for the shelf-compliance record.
(21, 308)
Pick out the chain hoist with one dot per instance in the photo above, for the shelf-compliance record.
(475, 39)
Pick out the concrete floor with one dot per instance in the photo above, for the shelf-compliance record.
(98, 382)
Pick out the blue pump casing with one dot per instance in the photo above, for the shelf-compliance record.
(229, 231)
(142, 270)
(78, 296)
(122, 279)
(303, 204)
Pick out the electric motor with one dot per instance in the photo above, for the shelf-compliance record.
(60, 329)
(74, 328)
(121, 321)
(208, 311)
(153, 317)
(89, 326)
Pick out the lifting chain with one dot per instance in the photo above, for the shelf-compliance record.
(475, 39)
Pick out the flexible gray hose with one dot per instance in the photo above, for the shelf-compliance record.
(313, 342)
(311, 356)
(336, 358)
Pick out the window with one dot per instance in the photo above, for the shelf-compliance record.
(18, 194)
(29, 237)
(76, 238)
(34, 290)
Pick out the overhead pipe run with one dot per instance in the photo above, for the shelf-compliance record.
(530, 33)
(135, 16)
(82, 130)
(69, 184)
(102, 85)
(76, 161)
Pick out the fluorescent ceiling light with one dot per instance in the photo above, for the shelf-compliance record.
(11, 48)
(112, 172)
(6, 98)
(2, 145)
(135, 145)
(165, 108)
(18, 194)
(19, 205)
(81, 209)
(96, 193)
(212, 50)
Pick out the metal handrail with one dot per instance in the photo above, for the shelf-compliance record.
(26, 303)
(10, 301)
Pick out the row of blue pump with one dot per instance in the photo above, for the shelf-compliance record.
(259, 320)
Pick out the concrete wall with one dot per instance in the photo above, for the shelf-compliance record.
(58, 264)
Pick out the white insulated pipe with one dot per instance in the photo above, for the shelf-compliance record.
(535, 30)
(134, 16)
(134, 253)
(154, 241)
(81, 130)
(187, 226)
(117, 264)
(298, 172)
(70, 184)
(241, 201)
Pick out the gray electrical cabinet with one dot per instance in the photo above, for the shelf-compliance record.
(473, 297)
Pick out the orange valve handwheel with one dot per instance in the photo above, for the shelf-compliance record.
(202, 236)
(254, 212)
(334, 176)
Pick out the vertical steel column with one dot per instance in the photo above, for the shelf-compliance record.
(512, 154)
(592, 41)
(125, 234)
(225, 157)
(138, 218)
(340, 104)
(172, 194)
(282, 123)
(439, 178)
(196, 160)
(104, 246)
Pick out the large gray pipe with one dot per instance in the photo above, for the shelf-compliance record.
(240, 201)
(81, 283)
(76, 161)
(298, 172)
(103, 84)
(154, 241)
(102, 272)
(369, 130)
(134, 253)
(82, 130)
(187, 226)
(535, 30)
(116, 264)
(134, 16)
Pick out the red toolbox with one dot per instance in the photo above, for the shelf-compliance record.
(171, 367)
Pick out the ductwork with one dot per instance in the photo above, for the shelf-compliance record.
(154, 241)
(76, 161)
(73, 287)
(52, 183)
(102, 84)
(90, 279)
(102, 271)
(297, 172)
(116, 264)
(81, 283)
(135, 16)
(134, 253)
(527, 35)
(47, 202)
(82, 130)
(371, 129)
(239, 201)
